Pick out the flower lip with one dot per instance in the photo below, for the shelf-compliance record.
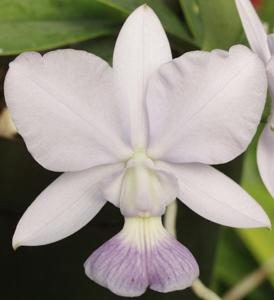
(142, 255)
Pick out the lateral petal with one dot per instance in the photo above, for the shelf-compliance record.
(62, 104)
(63, 208)
(265, 147)
(270, 75)
(265, 156)
(205, 107)
(254, 29)
(216, 197)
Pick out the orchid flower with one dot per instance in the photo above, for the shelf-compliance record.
(263, 45)
(138, 135)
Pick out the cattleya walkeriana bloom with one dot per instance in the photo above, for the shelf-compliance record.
(138, 135)
(263, 45)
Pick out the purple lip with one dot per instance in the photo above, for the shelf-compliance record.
(128, 270)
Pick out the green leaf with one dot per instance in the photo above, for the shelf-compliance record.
(102, 47)
(259, 241)
(214, 23)
(45, 24)
(170, 21)
(233, 264)
(266, 12)
(221, 22)
(192, 14)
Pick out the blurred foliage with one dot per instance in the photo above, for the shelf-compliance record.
(102, 47)
(233, 263)
(93, 25)
(45, 24)
(259, 241)
(266, 11)
(171, 22)
(214, 23)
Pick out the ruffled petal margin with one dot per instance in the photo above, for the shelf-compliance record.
(142, 255)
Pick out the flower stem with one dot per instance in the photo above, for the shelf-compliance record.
(170, 218)
(250, 282)
(203, 292)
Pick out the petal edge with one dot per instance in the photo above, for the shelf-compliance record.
(216, 197)
(63, 208)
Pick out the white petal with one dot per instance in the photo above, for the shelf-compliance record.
(64, 207)
(254, 29)
(141, 47)
(205, 107)
(265, 156)
(270, 40)
(270, 75)
(111, 187)
(146, 192)
(62, 104)
(216, 197)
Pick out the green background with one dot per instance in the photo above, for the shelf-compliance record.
(56, 271)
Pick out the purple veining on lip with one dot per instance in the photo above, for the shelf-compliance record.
(119, 266)
(127, 271)
(171, 266)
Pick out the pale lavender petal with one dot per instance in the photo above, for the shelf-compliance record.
(63, 208)
(141, 48)
(142, 255)
(64, 105)
(265, 157)
(216, 197)
(270, 40)
(205, 107)
(254, 29)
(270, 76)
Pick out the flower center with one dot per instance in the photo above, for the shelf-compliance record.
(141, 189)
(145, 190)
(140, 158)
